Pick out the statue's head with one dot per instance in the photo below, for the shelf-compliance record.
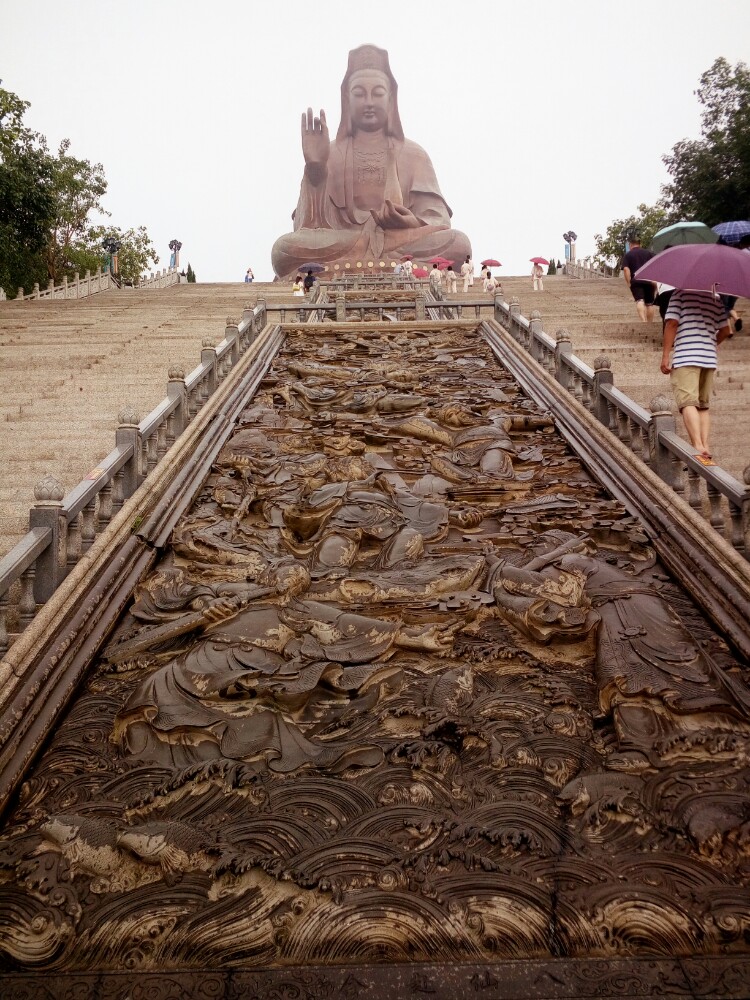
(369, 94)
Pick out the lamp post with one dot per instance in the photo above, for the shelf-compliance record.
(112, 247)
(175, 246)
(570, 246)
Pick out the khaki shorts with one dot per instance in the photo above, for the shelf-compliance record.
(692, 386)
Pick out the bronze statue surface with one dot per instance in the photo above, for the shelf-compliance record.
(406, 683)
(369, 195)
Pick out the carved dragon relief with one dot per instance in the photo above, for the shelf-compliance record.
(407, 683)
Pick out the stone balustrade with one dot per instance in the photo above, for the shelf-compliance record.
(63, 528)
(650, 434)
(91, 284)
(585, 269)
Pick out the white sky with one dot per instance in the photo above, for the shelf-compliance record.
(539, 117)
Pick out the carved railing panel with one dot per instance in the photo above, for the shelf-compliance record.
(406, 683)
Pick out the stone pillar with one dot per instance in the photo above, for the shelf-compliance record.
(65, 287)
(420, 307)
(208, 357)
(35, 292)
(77, 280)
(128, 433)
(19, 294)
(662, 419)
(602, 376)
(176, 390)
(513, 313)
(340, 309)
(535, 327)
(232, 334)
(563, 347)
(47, 513)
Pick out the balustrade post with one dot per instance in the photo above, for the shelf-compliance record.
(77, 281)
(232, 334)
(662, 419)
(602, 376)
(35, 291)
(498, 307)
(535, 328)
(51, 287)
(563, 348)
(87, 281)
(19, 294)
(340, 309)
(208, 357)
(65, 287)
(514, 311)
(176, 390)
(128, 433)
(420, 306)
(47, 513)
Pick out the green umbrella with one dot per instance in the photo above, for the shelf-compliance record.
(683, 232)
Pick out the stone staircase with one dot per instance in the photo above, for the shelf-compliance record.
(601, 319)
(68, 368)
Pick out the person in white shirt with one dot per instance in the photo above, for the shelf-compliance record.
(467, 272)
(537, 277)
(491, 284)
(449, 276)
(436, 282)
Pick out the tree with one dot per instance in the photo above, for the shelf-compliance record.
(78, 186)
(190, 273)
(26, 198)
(136, 254)
(611, 246)
(551, 268)
(711, 175)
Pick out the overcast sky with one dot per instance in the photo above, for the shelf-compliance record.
(539, 117)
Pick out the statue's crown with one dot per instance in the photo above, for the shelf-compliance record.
(368, 57)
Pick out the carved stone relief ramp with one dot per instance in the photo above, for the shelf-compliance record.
(404, 702)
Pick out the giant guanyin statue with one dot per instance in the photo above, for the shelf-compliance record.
(370, 194)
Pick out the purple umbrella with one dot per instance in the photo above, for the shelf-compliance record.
(311, 266)
(732, 232)
(702, 267)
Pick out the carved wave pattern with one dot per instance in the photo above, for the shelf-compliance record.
(406, 684)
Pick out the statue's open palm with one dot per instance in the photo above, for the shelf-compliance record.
(315, 142)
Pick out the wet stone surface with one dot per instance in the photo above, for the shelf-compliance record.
(405, 684)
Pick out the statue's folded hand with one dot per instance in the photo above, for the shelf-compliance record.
(395, 217)
(316, 145)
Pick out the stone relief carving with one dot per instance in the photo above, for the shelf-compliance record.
(403, 656)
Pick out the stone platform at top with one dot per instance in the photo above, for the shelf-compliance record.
(370, 195)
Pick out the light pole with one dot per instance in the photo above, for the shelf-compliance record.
(570, 246)
(112, 247)
(175, 246)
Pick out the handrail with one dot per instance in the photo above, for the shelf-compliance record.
(63, 528)
(91, 284)
(649, 433)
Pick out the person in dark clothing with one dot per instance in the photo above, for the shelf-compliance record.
(308, 282)
(644, 292)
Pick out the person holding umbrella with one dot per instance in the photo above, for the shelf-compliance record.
(695, 324)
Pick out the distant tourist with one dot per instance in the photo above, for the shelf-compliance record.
(490, 284)
(644, 292)
(298, 287)
(406, 268)
(450, 279)
(467, 272)
(436, 282)
(309, 282)
(537, 277)
(249, 276)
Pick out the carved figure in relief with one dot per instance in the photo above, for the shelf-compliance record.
(370, 192)
(653, 676)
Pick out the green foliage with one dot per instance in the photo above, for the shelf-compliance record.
(26, 198)
(78, 186)
(711, 175)
(552, 269)
(136, 255)
(190, 273)
(611, 246)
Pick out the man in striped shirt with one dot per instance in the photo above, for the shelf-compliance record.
(694, 325)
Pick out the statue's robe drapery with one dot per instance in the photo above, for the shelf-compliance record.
(328, 226)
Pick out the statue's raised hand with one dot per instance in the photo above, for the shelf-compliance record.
(316, 145)
(395, 217)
